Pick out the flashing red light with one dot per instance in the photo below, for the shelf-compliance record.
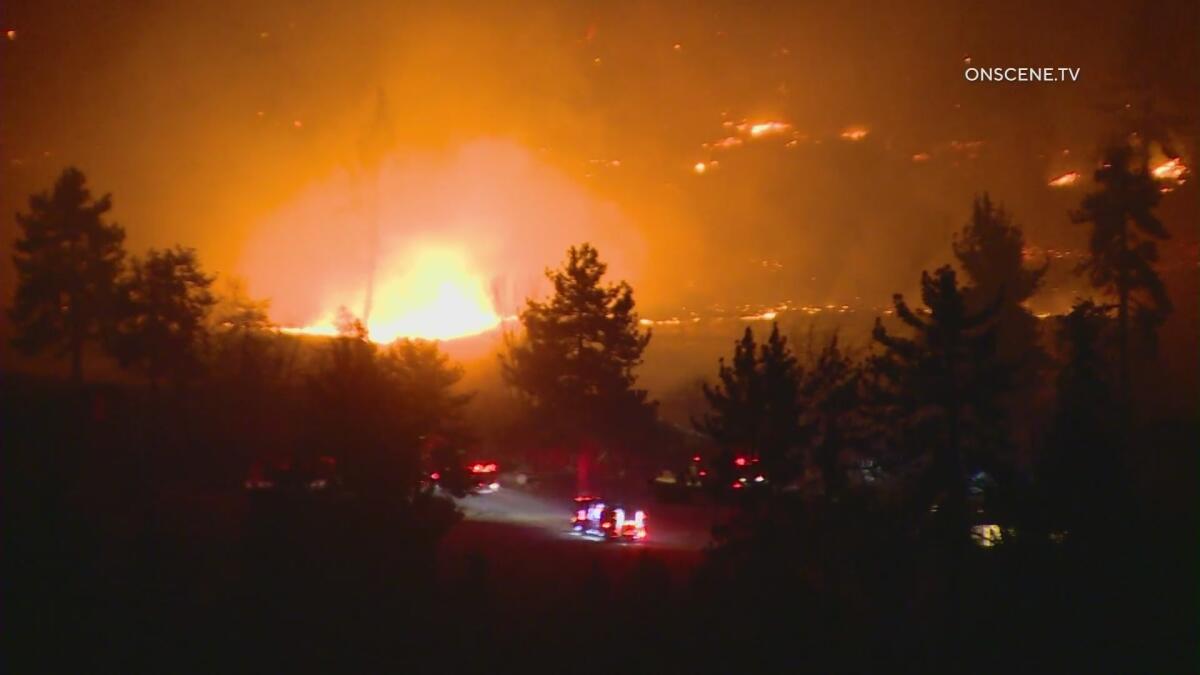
(737, 485)
(435, 475)
(703, 472)
(695, 458)
(483, 468)
(740, 461)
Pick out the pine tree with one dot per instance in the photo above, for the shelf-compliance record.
(991, 251)
(575, 363)
(67, 261)
(736, 399)
(1083, 469)
(945, 379)
(831, 390)
(424, 380)
(427, 411)
(755, 406)
(781, 437)
(1123, 249)
(165, 301)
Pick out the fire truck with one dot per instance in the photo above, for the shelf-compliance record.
(595, 517)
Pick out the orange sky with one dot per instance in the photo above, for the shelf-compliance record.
(522, 127)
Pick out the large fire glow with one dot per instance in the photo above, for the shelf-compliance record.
(437, 296)
(436, 245)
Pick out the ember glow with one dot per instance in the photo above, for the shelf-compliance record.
(761, 129)
(1172, 170)
(727, 143)
(1065, 180)
(855, 134)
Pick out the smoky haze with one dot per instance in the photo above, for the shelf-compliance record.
(522, 127)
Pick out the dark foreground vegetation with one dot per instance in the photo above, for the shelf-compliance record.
(117, 556)
(976, 490)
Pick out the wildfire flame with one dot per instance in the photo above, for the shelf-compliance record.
(1173, 170)
(761, 129)
(434, 244)
(1066, 180)
(855, 133)
(726, 143)
(438, 297)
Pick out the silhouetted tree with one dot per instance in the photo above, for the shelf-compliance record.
(374, 407)
(248, 364)
(756, 404)
(781, 436)
(991, 250)
(1122, 248)
(831, 391)
(425, 381)
(1083, 466)
(944, 382)
(349, 407)
(428, 409)
(243, 331)
(736, 401)
(575, 363)
(165, 301)
(67, 261)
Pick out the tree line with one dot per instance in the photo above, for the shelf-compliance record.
(76, 287)
(936, 399)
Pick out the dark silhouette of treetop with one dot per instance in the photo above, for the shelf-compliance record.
(736, 398)
(243, 335)
(166, 299)
(831, 391)
(946, 379)
(756, 406)
(1122, 248)
(67, 260)
(575, 362)
(991, 250)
